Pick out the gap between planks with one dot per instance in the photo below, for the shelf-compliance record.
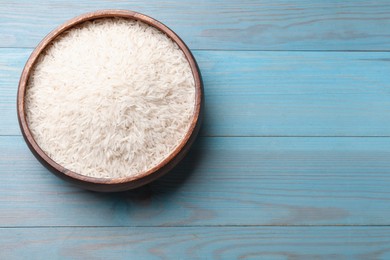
(236, 50)
(194, 226)
(270, 136)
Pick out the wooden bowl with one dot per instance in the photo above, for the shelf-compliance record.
(110, 184)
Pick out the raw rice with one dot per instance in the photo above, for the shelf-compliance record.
(110, 98)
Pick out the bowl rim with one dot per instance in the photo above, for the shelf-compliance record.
(141, 178)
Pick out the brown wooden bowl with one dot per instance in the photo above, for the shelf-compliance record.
(110, 184)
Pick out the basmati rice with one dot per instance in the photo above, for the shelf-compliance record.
(111, 98)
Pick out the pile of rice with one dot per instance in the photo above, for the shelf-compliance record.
(110, 98)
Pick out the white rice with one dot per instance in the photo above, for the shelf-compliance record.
(111, 98)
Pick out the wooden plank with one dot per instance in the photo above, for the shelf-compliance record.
(223, 181)
(197, 243)
(244, 24)
(268, 93)
(11, 65)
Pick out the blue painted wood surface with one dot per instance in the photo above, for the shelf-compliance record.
(293, 162)
(259, 93)
(197, 243)
(221, 24)
(223, 181)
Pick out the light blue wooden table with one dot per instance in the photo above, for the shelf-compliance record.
(293, 161)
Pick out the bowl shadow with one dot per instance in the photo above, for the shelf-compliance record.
(166, 185)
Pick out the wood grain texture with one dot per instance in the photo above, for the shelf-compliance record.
(255, 25)
(235, 195)
(268, 93)
(223, 181)
(197, 243)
